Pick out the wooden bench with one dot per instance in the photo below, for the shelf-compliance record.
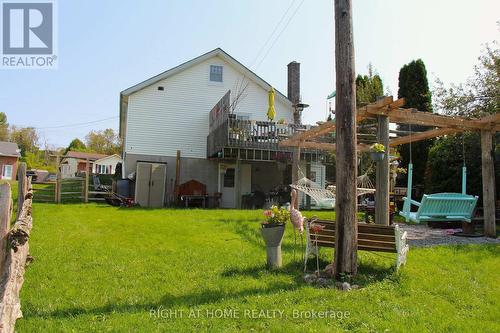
(371, 237)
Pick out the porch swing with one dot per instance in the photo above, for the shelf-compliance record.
(439, 207)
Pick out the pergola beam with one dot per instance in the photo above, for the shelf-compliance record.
(422, 136)
(386, 106)
(415, 117)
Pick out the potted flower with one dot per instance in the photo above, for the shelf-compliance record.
(377, 152)
(273, 229)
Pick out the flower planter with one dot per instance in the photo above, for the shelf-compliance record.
(273, 236)
(377, 156)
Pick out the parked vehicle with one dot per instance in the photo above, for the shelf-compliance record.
(33, 175)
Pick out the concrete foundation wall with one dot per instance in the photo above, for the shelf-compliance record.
(202, 170)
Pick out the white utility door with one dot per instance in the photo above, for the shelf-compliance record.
(227, 179)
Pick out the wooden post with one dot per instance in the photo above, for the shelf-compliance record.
(346, 244)
(57, 196)
(488, 172)
(58, 181)
(22, 187)
(5, 217)
(237, 182)
(295, 165)
(177, 176)
(86, 183)
(308, 176)
(382, 171)
(16, 260)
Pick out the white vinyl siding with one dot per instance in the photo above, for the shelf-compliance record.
(162, 122)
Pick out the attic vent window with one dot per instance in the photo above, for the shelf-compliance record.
(215, 73)
(161, 88)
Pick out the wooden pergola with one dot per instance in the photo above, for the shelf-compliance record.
(387, 110)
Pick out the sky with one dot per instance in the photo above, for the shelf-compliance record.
(105, 47)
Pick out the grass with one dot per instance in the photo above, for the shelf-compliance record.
(106, 269)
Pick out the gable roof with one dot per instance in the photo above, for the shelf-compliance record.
(83, 155)
(9, 149)
(108, 157)
(216, 52)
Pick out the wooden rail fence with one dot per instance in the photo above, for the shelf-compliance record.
(70, 190)
(14, 249)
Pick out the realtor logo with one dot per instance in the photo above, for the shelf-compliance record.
(28, 34)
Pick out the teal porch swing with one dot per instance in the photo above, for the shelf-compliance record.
(439, 207)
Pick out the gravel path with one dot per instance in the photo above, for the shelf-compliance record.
(422, 235)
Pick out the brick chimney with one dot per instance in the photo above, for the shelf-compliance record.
(294, 89)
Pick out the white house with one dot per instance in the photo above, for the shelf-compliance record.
(213, 111)
(106, 165)
(75, 162)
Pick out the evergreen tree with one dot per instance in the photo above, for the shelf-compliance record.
(414, 88)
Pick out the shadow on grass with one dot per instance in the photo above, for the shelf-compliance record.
(167, 302)
(367, 274)
(292, 269)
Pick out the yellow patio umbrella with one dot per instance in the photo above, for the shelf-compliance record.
(271, 112)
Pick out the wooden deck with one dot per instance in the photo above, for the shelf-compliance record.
(237, 133)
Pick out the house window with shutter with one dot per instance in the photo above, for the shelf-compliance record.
(215, 73)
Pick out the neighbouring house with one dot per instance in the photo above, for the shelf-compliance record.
(9, 155)
(106, 165)
(212, 110)
(75, 162)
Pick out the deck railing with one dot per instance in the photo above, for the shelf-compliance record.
(239, 133)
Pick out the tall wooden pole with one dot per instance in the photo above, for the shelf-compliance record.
(346, 226)
(382, 171)
(488, 173)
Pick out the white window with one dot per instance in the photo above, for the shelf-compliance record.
(215, 73)
(7, 172)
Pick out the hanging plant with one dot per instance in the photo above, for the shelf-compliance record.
(377, 152)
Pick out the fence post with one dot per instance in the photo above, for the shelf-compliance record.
(22, 186)
(5, 216)
(14, 264)
(58, 172)
(86, 183)
(58, 188)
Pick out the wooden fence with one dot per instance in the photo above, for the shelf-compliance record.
(14, 249)
(71, 190)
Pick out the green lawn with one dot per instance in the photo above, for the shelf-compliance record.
(105, 269)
